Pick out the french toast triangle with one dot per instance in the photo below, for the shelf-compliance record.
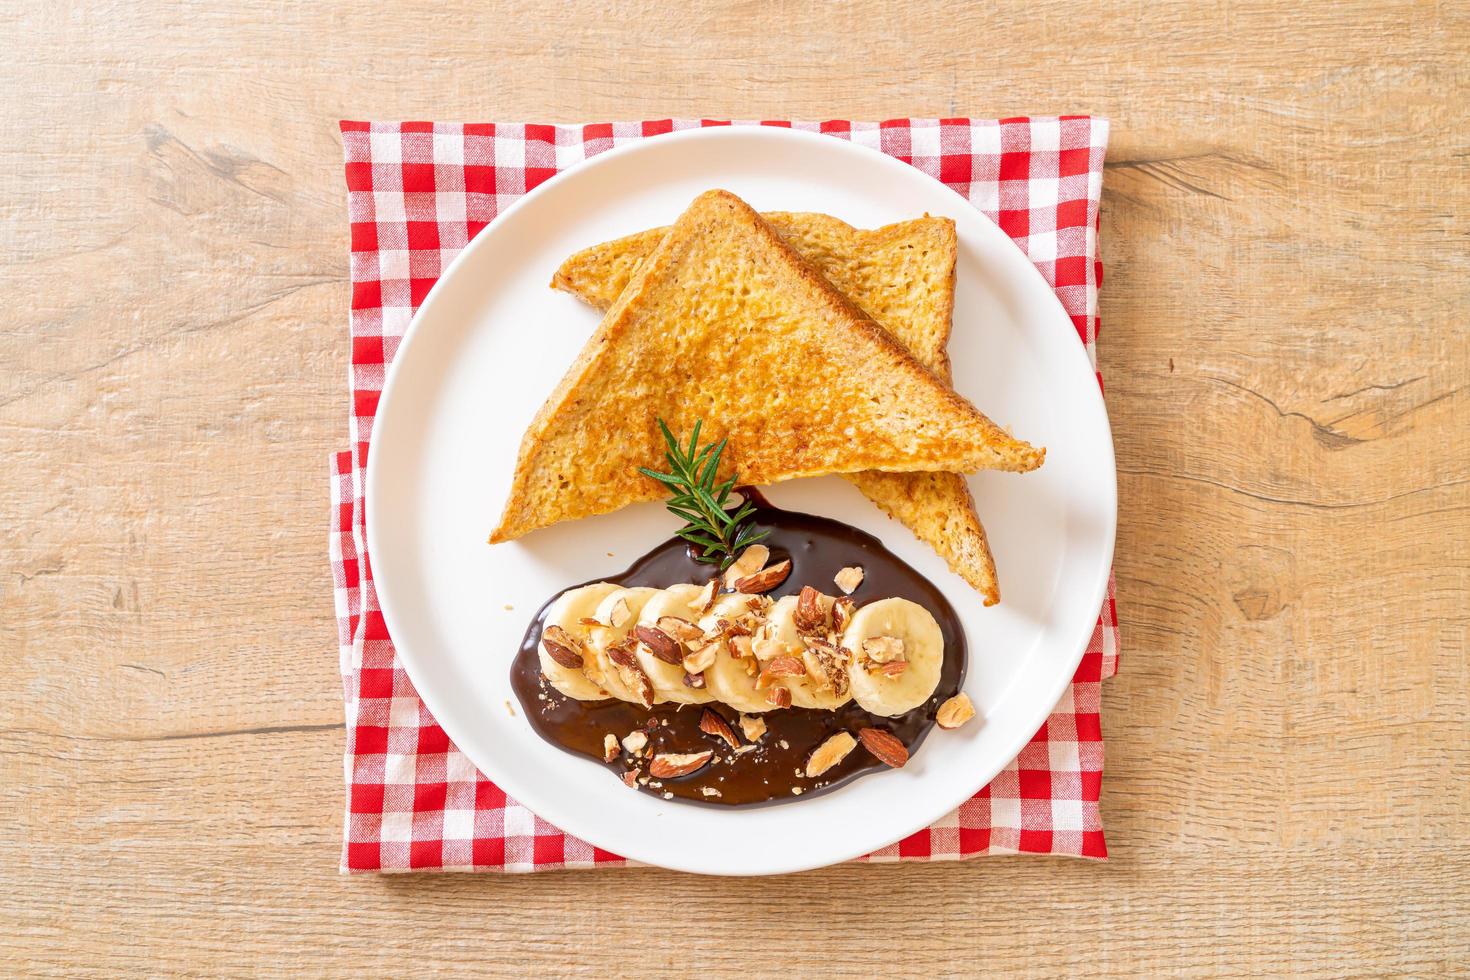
(725, 322)
(902, 275)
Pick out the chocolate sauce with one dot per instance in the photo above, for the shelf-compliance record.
(775, 770)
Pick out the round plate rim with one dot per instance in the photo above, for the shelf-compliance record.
(964, 788)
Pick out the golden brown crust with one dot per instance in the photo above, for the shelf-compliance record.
(940, 511)
(725, 322)
(903, 276)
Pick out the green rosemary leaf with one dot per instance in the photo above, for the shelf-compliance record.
(749, 536)
(711, 466)
(669, 479)
(704, 541)
(693, 517)
(699, 500)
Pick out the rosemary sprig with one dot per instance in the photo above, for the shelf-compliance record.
(720, 533)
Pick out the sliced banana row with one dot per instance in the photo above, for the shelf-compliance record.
(688, 645)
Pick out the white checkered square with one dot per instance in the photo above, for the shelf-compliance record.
(449, 148)
(1005, 811)
(1046, 135)
(1066, 815)
(1042, 246)
(924, 141)
(400, 769)
(397, 827)
(510, 151)
(386, 146)
(1061, 755)
(458, 768)
(1043, 194)
(985, 139)
(389, 205)
(459, 824)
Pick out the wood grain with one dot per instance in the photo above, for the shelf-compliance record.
(1284, 337)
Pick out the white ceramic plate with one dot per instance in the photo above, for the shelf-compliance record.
(492, 340)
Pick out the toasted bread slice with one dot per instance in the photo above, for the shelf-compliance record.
(726, 322)
(902, 275)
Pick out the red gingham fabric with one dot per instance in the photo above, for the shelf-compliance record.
(417, 192)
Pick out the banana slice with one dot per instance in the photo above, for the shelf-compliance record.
(728, 679)
(567, 613)
(667, 678)
(782, 639)
(879, 623)
(608, 611)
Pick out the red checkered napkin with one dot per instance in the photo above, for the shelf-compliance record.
(416, 194)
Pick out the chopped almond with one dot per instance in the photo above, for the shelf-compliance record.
(667, 765)
(750, 561)
(706, 597)
(849, 579)
(955, 712)
(882, 649)
(680, 629)
(698, 661)
(829, 753)
(711, 722)
(634, 742)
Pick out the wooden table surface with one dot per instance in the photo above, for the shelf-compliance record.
(1288, 363)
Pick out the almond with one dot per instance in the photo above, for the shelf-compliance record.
(848, 579)
(955, 712)
(660, 644)
(823, 665)
(753, 727)
(884, 746)
(621, 654)
(841, 613)
(765, 645)
(630, 778)
(635, 741)
(561, 637)
(706, 597)
(639, 681)
(680, 629)
(698, 661)
(736, 627)
(713, 723)
(750, 561)
(882, 649)
(785, 667)
(562, 654)
(766, 579)
(779, 696)
(808, 615)
(620, 614)
(610, 748)
(696, 681)
(780, 667)
(667, 765)
(829, 753)
(741, 647)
